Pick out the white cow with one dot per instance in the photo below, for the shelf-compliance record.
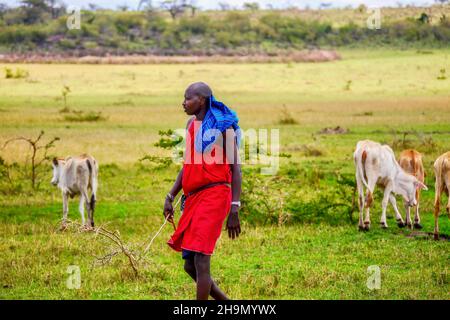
(74, 176)
(376, 164)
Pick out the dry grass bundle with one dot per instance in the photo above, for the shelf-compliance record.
(135, 254)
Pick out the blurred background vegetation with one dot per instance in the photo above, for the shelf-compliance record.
(178, 28)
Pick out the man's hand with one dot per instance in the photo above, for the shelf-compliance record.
(168, 210)
(233, 224)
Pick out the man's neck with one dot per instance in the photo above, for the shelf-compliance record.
(200, 115)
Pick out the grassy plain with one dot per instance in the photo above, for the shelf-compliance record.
(371, 93)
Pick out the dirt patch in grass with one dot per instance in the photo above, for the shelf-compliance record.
(296, 56)
(337, 130)
(426, 235)
(80, 116)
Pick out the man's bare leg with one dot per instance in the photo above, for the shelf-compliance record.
(215, 292)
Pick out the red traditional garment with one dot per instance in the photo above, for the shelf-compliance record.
(204, 212)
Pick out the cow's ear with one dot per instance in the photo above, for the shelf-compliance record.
(55, 161)
(420, 185)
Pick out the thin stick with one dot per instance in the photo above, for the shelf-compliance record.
(162, 226)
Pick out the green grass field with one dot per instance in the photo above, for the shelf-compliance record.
(371, 93)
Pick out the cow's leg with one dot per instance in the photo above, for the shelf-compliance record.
(91, 207)
(417, 224)
(81, 208)
(448, 197)
(88, 207)
(359, 186)
(384, 204)
(408, 214)
(91, 212)
(398, 216)
(437, 200)
(448, 205)
(371, 181)
(367, 216)
(65, 197)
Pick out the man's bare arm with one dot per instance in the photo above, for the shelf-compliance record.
(233, 223)
(177, 185)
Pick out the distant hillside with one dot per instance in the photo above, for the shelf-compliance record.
(358, 16)
(259, 32)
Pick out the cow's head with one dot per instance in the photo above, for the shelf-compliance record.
(56, 165)
(407, 186)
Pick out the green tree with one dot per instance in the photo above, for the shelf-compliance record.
(252, 6)
(35, 11)
(3, 9)
(175, 7)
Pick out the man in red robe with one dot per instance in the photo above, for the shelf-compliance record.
(211, 182)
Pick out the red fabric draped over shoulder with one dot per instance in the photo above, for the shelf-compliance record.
(204, 212)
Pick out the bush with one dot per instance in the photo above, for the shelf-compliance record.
(126, 21)
(195, 25)
(80, 116)
(67, 43)
(10, 179)
(286, 117)
(33, 171)
(19, 74)
(419, 141)
(19, 34)
(292, 197)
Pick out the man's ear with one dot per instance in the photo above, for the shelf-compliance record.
(202, 100)
(55, 161)
(420, 185)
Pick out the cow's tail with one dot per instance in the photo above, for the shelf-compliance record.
(438, 167)
(360, 166)
(360, 171)
(93, 181)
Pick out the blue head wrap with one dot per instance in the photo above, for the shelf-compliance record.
(219, 118)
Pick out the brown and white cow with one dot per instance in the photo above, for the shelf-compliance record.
(376, 164)
(411, 161)
(74, 176)
(442, 173)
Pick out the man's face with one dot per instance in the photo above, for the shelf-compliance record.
(192, 103)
